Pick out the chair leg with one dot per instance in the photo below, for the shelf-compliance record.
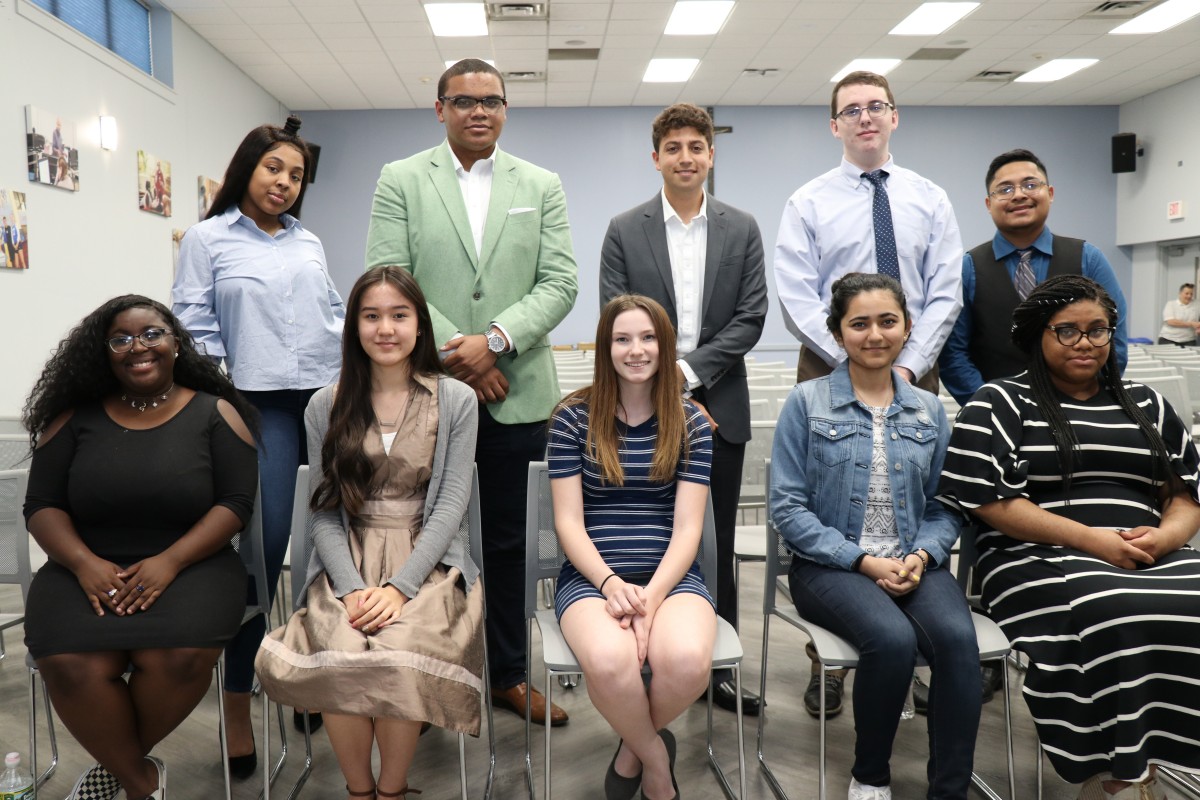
(547, 726)
(45, 775)
(308, 759)
(821, 739)
(487, 707)
(528, 712)
(222, 725)
(712, 756)
(772, 781)
(979, 782)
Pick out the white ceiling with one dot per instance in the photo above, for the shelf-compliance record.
(357, 54)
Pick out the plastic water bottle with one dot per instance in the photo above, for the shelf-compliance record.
(15, 783)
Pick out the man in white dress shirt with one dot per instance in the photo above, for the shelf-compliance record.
(867, 215)
(831, 226)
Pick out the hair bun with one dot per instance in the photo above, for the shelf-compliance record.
(292, 126)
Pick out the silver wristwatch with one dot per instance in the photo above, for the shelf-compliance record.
(496, 342)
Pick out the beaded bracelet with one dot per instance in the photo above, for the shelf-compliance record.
(924, 560)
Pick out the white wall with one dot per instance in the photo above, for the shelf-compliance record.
(1165, 123)
(89, 246)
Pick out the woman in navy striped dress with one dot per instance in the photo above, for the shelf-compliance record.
(629, 465)
(1085, 489)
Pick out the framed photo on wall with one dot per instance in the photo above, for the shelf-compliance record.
(154, 184)
(14, 230)
(51, 149)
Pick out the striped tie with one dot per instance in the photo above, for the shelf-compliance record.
(886, 261)
(1024, 280)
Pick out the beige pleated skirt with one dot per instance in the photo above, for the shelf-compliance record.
(426, 666)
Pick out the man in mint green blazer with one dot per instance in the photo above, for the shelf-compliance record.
(486, 236)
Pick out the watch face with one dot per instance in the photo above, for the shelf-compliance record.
(495, 342)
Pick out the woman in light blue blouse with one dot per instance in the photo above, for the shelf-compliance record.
(254, 290)
(854, 471)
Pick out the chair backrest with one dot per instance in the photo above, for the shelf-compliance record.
(14, 540)
(758, 451)
(300, 545)
(249, 544)
(778, 557)
(1174, 390)
(14, 449)
(543, 553)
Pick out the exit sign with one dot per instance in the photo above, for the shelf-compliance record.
(1175, 209)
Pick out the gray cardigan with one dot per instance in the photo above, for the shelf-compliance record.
(444, 536)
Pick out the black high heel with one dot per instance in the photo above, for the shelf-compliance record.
(315, 721)
(242, 767)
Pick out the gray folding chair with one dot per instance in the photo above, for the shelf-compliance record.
(543, 559)
(834, 652)
(15, 570)
(301, 551)
(14, 449)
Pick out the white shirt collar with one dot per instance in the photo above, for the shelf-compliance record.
(490, 160)
(854, 173)
(669, 210)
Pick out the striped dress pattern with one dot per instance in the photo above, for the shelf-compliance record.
(630, 525)
(1114, 677)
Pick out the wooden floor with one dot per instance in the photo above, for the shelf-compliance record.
(581, 749)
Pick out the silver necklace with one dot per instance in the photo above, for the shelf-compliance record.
(140, 404)
(399, 414)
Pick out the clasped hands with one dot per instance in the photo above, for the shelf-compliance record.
(632, 606)
(474, 364)
(125, 591)
(895, 576)
(373, 609)
(1141, 545)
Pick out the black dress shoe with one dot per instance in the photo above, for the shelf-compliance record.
(991, 676)
(315, 721)
(725, 695)
(834, 688)
(242, 767)
(920, 696)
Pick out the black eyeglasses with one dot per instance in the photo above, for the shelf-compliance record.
(464, 102)
(1069, 335)
(151, 337)
(874, 111)
(1005, 192)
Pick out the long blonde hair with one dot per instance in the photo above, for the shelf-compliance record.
(603, 396)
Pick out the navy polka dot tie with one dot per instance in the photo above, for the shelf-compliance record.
(886, 260)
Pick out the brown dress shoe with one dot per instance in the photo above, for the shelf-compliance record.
(513, 699)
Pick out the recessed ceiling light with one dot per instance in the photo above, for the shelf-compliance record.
(698, 17)
(452, 61)
(931, 19)
(457, 19)
(1161, 17)
(880, 66)
(1056, 70)
(670, 70)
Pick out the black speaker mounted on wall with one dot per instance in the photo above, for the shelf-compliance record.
(1124, 152)
(314, 150)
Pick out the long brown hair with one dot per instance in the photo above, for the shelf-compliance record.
(349, 477)
(603, 396)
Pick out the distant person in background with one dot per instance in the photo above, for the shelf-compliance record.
(6, 243)
(1000, 273)
(18, 245)
(254, 290)
(58, 161)
(1181, 319)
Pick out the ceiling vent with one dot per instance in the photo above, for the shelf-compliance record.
(524, 76)
(573, 53)
(760, 72)
(937, 54)
(517, 12)
(996, 75)
(1120, 9)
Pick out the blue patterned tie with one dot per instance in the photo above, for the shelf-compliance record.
(886, 261)
(1024, 280)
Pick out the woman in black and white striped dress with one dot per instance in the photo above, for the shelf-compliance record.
(1085, 490)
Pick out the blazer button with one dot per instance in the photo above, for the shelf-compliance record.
(893, 435)
(896, 466)
(477, 295)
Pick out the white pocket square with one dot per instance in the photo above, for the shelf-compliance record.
(513, 211)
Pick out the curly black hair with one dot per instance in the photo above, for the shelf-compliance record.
(79, 372)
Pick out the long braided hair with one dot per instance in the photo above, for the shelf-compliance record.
(1030, 319)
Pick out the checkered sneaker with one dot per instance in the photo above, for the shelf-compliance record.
(95, 784)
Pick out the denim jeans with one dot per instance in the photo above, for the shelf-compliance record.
(888, 632)
(284, 449)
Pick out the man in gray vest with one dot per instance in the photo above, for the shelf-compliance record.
(1000, 273)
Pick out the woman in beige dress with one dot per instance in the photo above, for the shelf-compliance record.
(391, 632)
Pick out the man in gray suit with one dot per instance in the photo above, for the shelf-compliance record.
(703, 261)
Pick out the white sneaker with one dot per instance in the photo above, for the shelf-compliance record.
(860, 791)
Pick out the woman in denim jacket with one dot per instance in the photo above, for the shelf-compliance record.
(855, 468)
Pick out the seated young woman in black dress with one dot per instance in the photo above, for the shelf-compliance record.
(1085, 490)
(143, 470)
(629, 465)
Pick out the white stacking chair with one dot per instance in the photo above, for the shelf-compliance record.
(301, 549)
(762, 408)
(543, 559)
(14, 449)
(834, 652)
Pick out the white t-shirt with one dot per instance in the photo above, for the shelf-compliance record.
(1177, 310)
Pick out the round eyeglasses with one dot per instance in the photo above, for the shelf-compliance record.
(874, 111)
(1069, 335)
(151, 337)
(464, 102)
(1028, 188)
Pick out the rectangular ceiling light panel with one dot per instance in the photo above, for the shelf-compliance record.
(1161, 17)
(930, 19)
(698, 17)
(670, 70)
(1056, 70)
(880, 66)
(457, 19)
